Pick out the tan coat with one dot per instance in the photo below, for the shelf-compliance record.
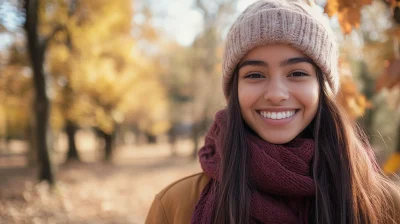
(175, 204)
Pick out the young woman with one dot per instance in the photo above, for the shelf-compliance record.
(283, 151)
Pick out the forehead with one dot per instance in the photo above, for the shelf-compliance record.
(273, 53)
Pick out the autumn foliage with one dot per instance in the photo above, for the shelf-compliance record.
(106, 70)
(390, 78)
(348, 12)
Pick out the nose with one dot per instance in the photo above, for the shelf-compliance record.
(276, 91)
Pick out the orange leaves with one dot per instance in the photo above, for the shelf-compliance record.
(351, 99)
(391, 75)
(348, 12)
(393, 164)
(348, 18)
(349, 96)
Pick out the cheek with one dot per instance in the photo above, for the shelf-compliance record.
(247, 95)
(309, 97)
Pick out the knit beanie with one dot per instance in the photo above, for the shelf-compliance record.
(297, 23)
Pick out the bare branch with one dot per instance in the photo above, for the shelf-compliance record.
(47, 39)
(203, 9)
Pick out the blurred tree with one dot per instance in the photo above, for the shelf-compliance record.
(37, 46)
(15, 80)
(348, 12)
(102, 77)
(352, 100)
(176, 77)
(205, 63)
(381, 51)
(113, 69)
(16, 94)
(61, 46)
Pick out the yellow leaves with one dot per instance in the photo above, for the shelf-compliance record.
(51, 14)
(348, 12)
(103, 78)
(145, 103)
(104, 18)
(16, 91)
(103, 120)
(15, 97)
(99, 69)
(15, 81)
(58, 62)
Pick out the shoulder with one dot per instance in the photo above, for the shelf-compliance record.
(190, 185)
(176, 202)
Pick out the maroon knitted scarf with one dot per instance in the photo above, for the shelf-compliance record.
(280, 175)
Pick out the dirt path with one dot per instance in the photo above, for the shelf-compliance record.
(93, 192)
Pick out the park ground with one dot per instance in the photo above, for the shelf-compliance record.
(93, 191)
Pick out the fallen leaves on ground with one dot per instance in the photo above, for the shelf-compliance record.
(92, 192)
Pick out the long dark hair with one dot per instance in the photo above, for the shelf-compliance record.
(350, 187)
(233, 191)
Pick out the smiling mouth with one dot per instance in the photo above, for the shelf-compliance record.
(277, 115)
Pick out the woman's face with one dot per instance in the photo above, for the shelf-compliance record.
(278, 92)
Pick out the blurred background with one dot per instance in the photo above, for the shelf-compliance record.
(104, 103)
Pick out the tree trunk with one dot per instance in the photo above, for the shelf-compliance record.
(32, 149)
(195, 139)
(41, 103)
(71, 128)
(4, 131)
(151, 139)
(108, 148)
(197, 130)
(120, 131)
(108, 143)
(398, 139)
(172, 136)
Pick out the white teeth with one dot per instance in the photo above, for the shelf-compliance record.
(277, 115)
(264, 114)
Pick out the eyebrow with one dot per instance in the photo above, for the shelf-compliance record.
(287, 62)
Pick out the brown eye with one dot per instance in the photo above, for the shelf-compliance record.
(298, 74)
(254, 76)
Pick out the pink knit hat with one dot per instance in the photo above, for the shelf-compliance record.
(297, 23)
